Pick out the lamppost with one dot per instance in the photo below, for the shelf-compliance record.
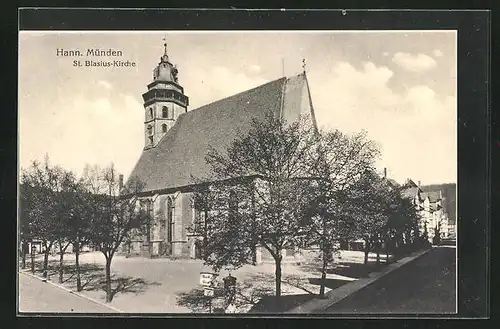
(230, 290)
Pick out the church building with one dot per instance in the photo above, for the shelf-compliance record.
(177, 139)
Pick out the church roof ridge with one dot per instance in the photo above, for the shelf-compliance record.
(180, 154)
(236, 95)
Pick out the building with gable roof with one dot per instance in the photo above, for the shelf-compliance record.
(176, 141)
(429, 205)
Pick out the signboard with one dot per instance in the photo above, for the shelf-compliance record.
(206, 278)
(209, 292)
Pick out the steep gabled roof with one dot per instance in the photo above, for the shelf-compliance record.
(181, 153)
(448, 192)
(434, 196)
(393, 183)
(410, 192)
(410, 183)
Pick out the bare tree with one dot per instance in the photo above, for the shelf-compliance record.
(112, 216)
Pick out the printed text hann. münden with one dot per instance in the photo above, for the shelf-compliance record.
(89, 52)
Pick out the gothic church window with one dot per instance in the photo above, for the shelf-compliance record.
(150, 130)
(164, 128)
(165, 112)
(151, 113)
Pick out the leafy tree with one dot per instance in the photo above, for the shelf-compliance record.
(403, 222)
(27, 212)
(76, 219)
(337, 166)
(44, 182)
(66, 206)
(112, 216)
(372, 203)
(259, 194)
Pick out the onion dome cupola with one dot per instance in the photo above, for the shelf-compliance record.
(164, 101)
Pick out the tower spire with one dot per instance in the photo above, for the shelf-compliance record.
(165, 46)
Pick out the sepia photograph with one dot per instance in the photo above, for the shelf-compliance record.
(248, 172)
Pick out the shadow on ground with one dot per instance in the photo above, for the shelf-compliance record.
(256, 294)
(93, 278)
(197, 302)
(270, 304)
(330, 283)
(348, 269)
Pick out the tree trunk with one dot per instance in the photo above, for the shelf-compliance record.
(45, 263)
(109, 295)
(387, 251)
(77, 264)
(378, 251)
(23, 259)
(46, 259)
(61, 265)
(277, 260)
(323, 275)
(32, 256)
(367, 251)
(254, 254)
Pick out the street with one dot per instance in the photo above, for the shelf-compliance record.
(38, 296)
(426, 285)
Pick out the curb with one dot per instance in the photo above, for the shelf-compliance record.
(336, 295)
(71, 291)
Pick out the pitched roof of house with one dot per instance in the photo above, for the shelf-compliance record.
(410, 192)
(410, 183)
(448, 192)
(181, 152)
(434, 196)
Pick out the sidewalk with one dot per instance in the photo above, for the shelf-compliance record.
(336, 295)
(46, 297)
(426, 285)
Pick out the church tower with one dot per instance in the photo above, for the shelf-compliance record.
(163, 102)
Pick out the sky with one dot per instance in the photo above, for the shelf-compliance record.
(398, 86)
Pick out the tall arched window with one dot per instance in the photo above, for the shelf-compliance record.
(164, 112)
(151, 113)
(170, 223)
(150, 130)
(164, 128)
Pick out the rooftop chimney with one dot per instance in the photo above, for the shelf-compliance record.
(418, 183)
(120, 182)
(385, 172)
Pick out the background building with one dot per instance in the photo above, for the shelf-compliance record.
(437, 212)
